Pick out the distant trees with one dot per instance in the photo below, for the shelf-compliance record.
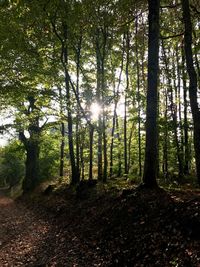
(79, 53)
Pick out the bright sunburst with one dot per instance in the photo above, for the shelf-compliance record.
(95, 110)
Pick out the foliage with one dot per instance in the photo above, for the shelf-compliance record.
(105, 61)
(49, 157)
(12, 164)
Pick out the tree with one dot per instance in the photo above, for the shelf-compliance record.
(151, 149)
(192, 82)
(31, 145)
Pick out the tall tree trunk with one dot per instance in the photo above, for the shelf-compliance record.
(75, 177)
(32, 147)
(32, 165)
(138, 98)
(82, 162)
(103, 89)
(62, 143)
(105, 167)
(185, 125)
(115, 95)
(105, 159)
(116, 99)
(196, 53)
(78, 57)
(119, 172)
(192, 82)
(165, 145)
(99, 100)
(179, 104)
(151, 149)
(173, 108)
(112, 141)
(63, 39)
(125, 102)
(91, 134)
(100, 156)
(129, 144)
(62, 146)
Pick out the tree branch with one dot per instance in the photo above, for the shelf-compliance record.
(171, 36)
(171, 6)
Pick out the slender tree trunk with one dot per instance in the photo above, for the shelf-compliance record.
(185, 125)
(100, 157)
(129, 144)
(78, 57)
(151, 149)
(103, 89)
(173, 108)
(62, 146)
(116, 99)
(158, 140)
(165, 146)
(192, 82)
(196, 53)
(64, 60)
(112, 142)
(138, 100)
(119, 172)
(179, 105)
(175, 112)
(91, 129)
(105, 167)
(82, 162)
(125, 102)
(98, 95)
(75, 177)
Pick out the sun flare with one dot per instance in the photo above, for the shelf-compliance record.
(95, 110)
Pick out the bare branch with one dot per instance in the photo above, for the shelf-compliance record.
(171, 6)
(171, 36)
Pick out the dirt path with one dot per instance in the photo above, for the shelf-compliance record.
(29, 237)
(105, 230)
(21, 234)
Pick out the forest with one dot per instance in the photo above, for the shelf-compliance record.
(100, 133)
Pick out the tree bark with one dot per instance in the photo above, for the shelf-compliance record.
(62, 146)
(185, 124)
(125, 102)
(62, 143)
(165, 145)
(32, 147)
(116, 100)
(31, 165)
(173, 108)
(99, 100)
(78, 58)
(119, 172)
(138, 100)
(75, 177)
(192, 82)
(91, 134)
(151, 149)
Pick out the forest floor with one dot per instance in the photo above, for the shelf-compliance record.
(103, 225)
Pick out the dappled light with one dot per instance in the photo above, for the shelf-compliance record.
(99, 133)
(95, 110)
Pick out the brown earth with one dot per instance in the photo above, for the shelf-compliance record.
(101, 227)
